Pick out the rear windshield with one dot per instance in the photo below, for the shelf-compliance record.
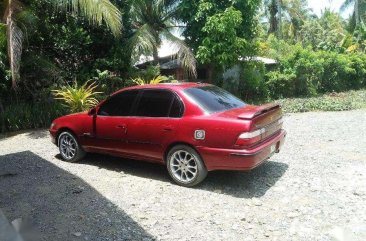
(213, 99)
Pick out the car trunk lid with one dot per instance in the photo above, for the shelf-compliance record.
(267, 118)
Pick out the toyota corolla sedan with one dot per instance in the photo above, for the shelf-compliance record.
(191, 128)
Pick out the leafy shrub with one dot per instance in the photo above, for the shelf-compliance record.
(252, 84)
(330, 102)
(308, 73)
(280, 84)
(31, 115)
(77, 98)
(147, 74)
(156, 80)
(108, 81)
(245, 80)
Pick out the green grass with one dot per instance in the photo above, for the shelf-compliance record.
(350, 100)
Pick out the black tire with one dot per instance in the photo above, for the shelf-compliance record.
(175, 159)
(69, 147)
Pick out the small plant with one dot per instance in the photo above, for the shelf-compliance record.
(77, 98)
(158, 79)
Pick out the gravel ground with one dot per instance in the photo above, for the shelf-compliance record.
(315, 189)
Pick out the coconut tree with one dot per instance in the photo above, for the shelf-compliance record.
(273, 8)
(153, 22)
(293, 12)
(359, 9)
(96, 11)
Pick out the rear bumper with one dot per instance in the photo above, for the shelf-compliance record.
(241, 159)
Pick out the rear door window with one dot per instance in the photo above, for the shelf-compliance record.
(158, 103)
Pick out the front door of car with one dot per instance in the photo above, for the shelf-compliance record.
(156, 123)
(112, 121)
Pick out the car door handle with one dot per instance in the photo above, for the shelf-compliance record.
(167, 128)
(123, 127)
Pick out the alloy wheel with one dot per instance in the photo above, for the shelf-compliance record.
(183, 166)
(68, 146)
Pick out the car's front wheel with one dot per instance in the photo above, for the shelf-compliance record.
(69, 147)
(185, 166)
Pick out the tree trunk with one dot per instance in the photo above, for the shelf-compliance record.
(279, 18)
(156, 56)
(210, 73)
(2, 117)
(357, 13)
(273, 21)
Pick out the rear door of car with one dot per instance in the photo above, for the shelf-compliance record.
(157, 117)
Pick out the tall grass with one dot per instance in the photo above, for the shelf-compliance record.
(31, 115)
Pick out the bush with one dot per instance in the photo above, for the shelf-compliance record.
(330, 102)
(27, 115)
(78, 98)
(280, 84)
(246, 81)
(309, 73)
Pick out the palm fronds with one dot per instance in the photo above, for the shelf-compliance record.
(346, 4)
(153, 21)
(97, 11)
(78, 98)
(143, 42)
(156, 80)
(184, 54)
(138, 81)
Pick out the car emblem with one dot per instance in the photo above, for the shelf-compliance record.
(199, 134)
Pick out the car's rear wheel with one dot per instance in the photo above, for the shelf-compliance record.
(185, 166)
(69, 147)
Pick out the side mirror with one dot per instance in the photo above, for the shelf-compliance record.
(92, 111)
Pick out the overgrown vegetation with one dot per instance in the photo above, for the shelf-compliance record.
(31, 115)
(330, 102)
(51, 46)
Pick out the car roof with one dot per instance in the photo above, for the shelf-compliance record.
(170, 86)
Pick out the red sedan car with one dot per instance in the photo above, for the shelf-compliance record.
(191, 128)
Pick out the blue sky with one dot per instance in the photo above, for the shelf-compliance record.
(319, 5)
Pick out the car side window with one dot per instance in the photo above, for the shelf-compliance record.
(158, 103)
(176, 110)
(119, 105)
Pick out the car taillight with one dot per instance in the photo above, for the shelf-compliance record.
(248, 138)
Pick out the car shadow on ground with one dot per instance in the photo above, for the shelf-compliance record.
(237, 184)
(57, 205)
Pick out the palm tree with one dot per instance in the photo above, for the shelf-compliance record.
(359, 9)
(273, 8)
(96, 11)
(154, 21)
(293, 11)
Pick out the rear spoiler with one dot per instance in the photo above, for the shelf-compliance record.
(250, 114)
